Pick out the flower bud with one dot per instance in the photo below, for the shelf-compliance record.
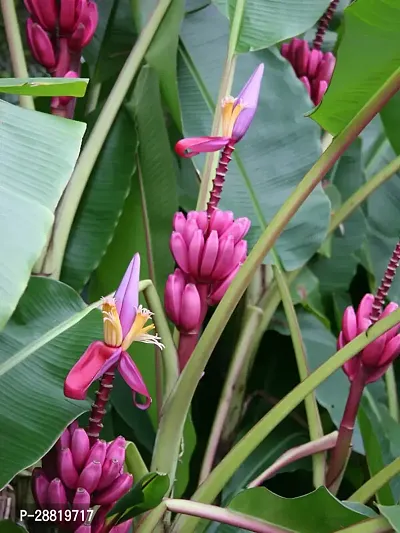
(115, 491)
(44, 12)
(90, 476)
(40, 487)
(56, 495)
(66, 468)
(80, 447)
(40, 45)
(380, 353)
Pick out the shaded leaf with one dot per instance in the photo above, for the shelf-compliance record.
(368, 54)
(44, 86)
(286, 436)
(392, 514)
(336, 272)
(381, 435)
(390, 116)
(48, 332)
(265, 24)
(39, 152)
(144, 495)
(7, 526)
(162, 52)
(102, 203)
(112, 41)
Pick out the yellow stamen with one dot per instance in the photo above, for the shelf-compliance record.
(111, 323)
(230, 113)
(138, 331)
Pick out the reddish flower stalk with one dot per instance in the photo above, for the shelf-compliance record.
(368, 365)
(343, 443)
(219, 180)
(386, 283)
(99, 406)
(323, 24)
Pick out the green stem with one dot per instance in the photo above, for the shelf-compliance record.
(363, 192)
(166, 450)
(223, 472)
(240, 356)
(169, 355)
(373, 485)
(391, 389)
(15, 47)
(224, 89)
(73, 193)
(312, 412)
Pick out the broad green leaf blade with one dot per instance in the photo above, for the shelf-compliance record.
(373, 443)
(278, 149)
(328, 513)
(46, 335)
(45, 86)
(266, 22)
(144, 495)
(162, 52)
(112, 42)
(7, 526)
(336, 272)
(381, 436)
(368, 54)
(382, 208)
(105, 194)
(392, 514)
(390, 116)
(39, 152)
